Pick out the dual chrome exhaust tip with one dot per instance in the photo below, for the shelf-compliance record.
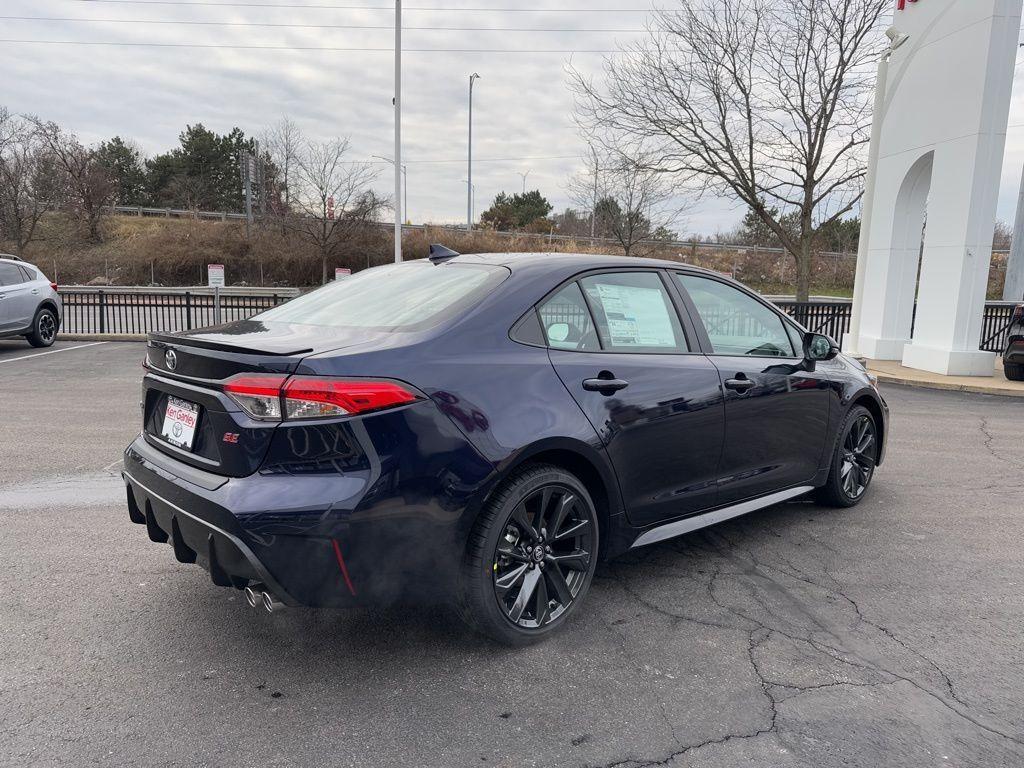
(257, 595)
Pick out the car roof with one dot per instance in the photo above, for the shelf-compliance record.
(9, 259)
(579, 261)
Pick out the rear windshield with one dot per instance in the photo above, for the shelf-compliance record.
(397, 297)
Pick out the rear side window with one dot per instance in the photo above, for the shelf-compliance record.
(10, 274)
(29, 276)
(566, 320)
(634, 313)
(737, 324)
(397, 297)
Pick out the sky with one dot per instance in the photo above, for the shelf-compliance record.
(522, 107)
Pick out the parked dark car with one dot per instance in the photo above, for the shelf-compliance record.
(29, 304)
(1013, 349)
(483, 429)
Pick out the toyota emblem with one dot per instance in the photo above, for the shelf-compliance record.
(171, 359)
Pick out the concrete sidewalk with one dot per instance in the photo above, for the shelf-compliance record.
(891, 372)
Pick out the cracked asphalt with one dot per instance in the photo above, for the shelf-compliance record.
(885, 635)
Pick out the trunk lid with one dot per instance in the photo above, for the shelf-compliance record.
(193, 366)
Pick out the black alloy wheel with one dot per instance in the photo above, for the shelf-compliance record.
(543, 556)
(858, 456)
(44, 329)
(853, 461)
(530, 557)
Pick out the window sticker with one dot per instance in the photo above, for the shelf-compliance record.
(636, 317)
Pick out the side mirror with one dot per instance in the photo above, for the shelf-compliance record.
(819, 347)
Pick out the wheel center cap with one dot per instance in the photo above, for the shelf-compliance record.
(538, 553)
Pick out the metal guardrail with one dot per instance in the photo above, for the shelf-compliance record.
(140, 310)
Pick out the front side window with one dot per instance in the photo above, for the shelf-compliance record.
(634, 313)
(398, 297)
(737, 324)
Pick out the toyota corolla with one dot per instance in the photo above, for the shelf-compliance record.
(484, 429)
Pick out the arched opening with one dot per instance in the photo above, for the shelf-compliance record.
(908, 243)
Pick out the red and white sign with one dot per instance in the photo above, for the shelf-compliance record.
(215, 275)
(342, 272)
(902, 4)
(180, 418)
(330, 208)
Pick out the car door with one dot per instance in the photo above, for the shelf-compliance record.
(776, 411)
(618, 343)
(15, 298)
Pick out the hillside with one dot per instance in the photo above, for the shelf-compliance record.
(170, 251)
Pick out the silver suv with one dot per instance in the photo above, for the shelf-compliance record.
(29, 304)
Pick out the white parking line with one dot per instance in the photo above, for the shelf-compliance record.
(51, 352)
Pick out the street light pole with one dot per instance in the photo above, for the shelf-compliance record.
(405, 182)
(469, 184)
(398, 130)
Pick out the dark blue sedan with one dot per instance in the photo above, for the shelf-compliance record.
(483, 429)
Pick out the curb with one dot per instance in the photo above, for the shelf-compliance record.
(101, 337)
(979, 389)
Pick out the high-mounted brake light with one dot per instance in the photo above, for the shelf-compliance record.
(270, 396)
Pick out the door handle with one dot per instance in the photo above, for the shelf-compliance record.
(604, 386)
(742, 386)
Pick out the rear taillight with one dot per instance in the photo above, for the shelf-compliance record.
(310, 397)
(257, 395)
(53, 286)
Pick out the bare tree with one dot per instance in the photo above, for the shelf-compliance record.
(628, 202)
(331, 201)
(29, 184)
(284, 142)
(91, 186)
(766, 101)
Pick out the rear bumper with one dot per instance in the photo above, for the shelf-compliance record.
(294, 561)
(226, 557)
(373, 510)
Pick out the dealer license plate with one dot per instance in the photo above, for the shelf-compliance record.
(180, 421)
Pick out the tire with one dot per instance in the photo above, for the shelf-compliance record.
(493, 580)
(1014, 371)
(853, 460)
(44, 328)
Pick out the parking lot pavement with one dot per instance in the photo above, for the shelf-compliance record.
(885, 635)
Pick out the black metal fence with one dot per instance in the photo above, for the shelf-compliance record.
(133, 312)
(138, 312)
(994, 325)
(829, 317)
(833, 318)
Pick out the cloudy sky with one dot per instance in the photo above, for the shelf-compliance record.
(521, 112)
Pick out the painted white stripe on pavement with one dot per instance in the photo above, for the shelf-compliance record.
(51, 352)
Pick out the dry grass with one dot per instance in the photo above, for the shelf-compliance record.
(143, 251)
